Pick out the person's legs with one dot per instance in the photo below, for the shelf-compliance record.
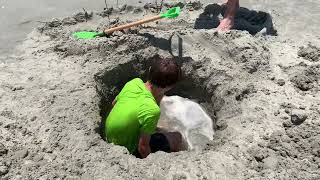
(159, 142)
(228, 21)
(137, 154)
(176, 141)
(167, 142)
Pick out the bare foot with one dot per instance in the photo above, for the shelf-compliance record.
(226, 24)
(228, 21)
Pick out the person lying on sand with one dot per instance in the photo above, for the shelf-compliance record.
(228, 21)
(133, 119)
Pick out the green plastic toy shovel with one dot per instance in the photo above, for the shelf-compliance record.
(171, 13)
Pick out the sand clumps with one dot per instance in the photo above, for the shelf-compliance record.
(310, 52)
(305, 77)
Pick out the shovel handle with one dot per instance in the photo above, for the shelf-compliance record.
(129, 25)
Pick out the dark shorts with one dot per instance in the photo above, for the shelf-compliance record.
(158, 142)
(137, 154)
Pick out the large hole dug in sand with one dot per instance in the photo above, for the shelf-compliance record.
(187, 107)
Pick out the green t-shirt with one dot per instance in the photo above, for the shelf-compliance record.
(135, 111)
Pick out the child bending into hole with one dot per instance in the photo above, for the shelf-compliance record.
(132, 122)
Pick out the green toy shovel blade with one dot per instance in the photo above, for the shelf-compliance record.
(171, 13)
(86, 34)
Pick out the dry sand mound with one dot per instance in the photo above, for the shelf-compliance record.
(55, 96)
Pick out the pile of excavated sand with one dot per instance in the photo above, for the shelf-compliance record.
(262, 96)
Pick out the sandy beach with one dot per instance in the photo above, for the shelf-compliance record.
(258, 82)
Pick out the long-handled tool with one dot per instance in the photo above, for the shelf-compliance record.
(171, 13)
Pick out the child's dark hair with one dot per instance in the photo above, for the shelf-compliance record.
(164, 72)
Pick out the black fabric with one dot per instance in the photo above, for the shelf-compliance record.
(159, 142)
(137, 154)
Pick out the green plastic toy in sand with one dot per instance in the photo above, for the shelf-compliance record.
(171, 13)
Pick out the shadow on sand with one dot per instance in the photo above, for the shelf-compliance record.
(245, 19)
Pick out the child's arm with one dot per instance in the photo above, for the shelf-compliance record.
(114, 102)
(144, 147)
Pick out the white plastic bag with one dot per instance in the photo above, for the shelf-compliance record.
(188, 118)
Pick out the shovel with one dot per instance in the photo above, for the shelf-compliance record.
(171, 13)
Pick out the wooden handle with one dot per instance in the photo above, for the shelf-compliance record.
(137, 23)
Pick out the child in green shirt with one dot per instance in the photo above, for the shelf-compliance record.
(133, 119)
